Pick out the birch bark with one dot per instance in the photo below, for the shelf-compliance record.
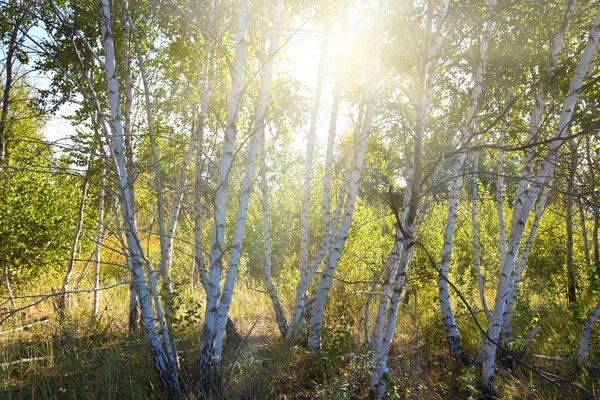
(475, 196)
(341, 236)
(543, 176)
(517, 274)
(98, 254)
(569, 204)
(247, 181)
(584, 339)
(452, 335)
(426, 82)
(279, 314)
(163, 365)
(537, 112)
(526, 170)
(310, 145)
(199, 252)
(208, 378)
(76, 235)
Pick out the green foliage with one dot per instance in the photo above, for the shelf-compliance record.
(38, 199)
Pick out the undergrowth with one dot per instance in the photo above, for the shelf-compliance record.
(78, 356)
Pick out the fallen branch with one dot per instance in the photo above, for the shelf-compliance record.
(43, 321)
(552, 359)
(43, 297)
(23, 361)
(592, 367)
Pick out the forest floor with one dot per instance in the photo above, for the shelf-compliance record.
(77, 357)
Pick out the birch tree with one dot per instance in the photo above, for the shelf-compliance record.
(207, 376)
(164, 361)
(427, 76)
(525, 202)
(97, 249)
(526, 170)
(468, 132)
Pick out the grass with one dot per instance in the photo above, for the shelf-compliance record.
(80, 357)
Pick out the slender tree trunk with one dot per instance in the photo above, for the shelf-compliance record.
(377, 383)
(163, 270)
(389, 273)
(11, 297)
(134, 319)
(526, 202)
(198, 164)
(499, 190)
(390, 269)
(166, 271)
(537, 112)
(584, 234)
(99, 236)
(327, 243)
(526, 172)
(128, 98)
(207, 377)
(308, 166)
(584, 339)
(362, 139)
(10, 59)
(507, 333)
(279, 314)
(480, 284)
(447, 316)
(244, 198)
(163, 364)
(571, 290)
(76, 235)
(426, 81)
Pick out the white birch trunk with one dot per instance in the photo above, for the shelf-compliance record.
(247, 181)
(537, 112)
(389, 272)
(377, 384)
(279, 314)
(507, 334)
(76, 236)
(163, 365)
(526, 170)
(330, 232)
(205, 377)
(199, 252)
(426, 82)
(98, 253)
(390, 268)
(452, 335)
(175, 211)
(569, 203)
(543, 176)
(584, 339)
(499, 191)
(480, 284)
(169, 340)
(341, 236)
(310, 145)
